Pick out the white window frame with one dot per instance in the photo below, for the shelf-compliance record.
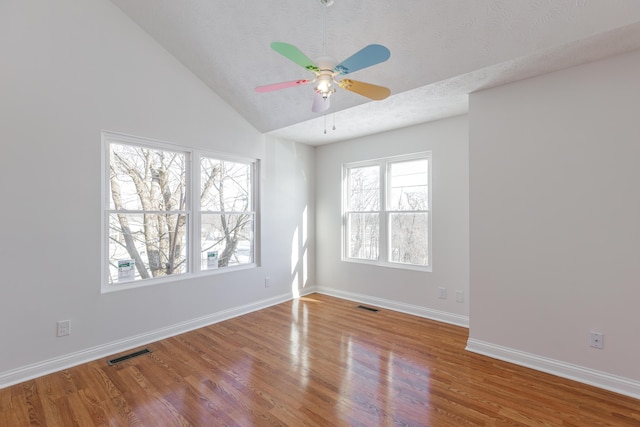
(192, 210)
(384, 211)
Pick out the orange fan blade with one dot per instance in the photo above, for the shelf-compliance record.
(365, 89)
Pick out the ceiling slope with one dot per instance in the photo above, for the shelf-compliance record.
(440, 52)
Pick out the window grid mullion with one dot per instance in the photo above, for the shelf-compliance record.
(204, 212)
(194, 204)
(384, 216)
(191, 212)
(346, 226)
(142, 212)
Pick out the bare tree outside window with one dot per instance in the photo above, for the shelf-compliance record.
(409, 221)
(387, 211)
(364, 212)
(148, 219)
(149, 215)
(226, 211)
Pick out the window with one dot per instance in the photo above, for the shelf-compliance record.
(226, 213)
(160, 210)
(387, 211)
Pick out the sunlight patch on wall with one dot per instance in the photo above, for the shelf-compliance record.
(305, 268)
(305, 245)
(304, 226)
(294, 286)
(295, 254)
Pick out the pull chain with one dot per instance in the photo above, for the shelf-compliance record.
(325, 123)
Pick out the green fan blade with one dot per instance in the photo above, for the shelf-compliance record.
(293, 53)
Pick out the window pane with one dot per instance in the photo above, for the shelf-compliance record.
(364, 235)
(156, 242)
(231, 235)
(409, 185)
(146, 179)
(409, 238)
(364, 189)
(225, 186)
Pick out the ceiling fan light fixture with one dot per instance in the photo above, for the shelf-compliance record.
(325, 86)
(326, 70)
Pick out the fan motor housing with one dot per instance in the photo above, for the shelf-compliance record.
(326, 63)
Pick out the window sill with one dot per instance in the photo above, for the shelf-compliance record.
(426, 269)
(134, 284)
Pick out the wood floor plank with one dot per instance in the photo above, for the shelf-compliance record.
(315, 361)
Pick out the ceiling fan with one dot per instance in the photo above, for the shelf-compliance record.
(326, 70)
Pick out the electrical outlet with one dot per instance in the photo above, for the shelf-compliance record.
(267, 282)
(63, 328)
(442, 293)
(596, 340)
(459, 296)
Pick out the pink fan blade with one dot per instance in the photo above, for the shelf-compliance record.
(284, 85)
(320, 104)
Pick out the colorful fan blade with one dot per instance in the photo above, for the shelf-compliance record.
(365, 89)
(366, 57)
(293, 53)
(320, 104)
(278, 86)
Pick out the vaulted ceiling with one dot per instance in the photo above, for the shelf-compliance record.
(441, 50)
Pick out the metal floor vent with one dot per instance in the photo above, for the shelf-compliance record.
(128, 356)
(364, 307)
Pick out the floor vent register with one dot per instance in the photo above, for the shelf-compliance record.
(128, 356)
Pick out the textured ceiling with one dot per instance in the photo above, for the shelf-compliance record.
(441, 50)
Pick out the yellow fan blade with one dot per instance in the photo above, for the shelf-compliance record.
(365, 89)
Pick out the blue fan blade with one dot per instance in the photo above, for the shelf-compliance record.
(366, 57)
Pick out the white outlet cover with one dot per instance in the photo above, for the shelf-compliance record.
(596, 340)
(63, 328)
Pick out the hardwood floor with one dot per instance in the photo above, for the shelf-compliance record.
(317, 361)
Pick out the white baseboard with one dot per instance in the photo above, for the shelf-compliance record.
(625, 386)
(600, 379)
(441, 316)
(45, 367)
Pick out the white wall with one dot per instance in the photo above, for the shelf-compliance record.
(555, 221)
(69, 69)
(288, 226)
(405, 290)
(553, 198)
